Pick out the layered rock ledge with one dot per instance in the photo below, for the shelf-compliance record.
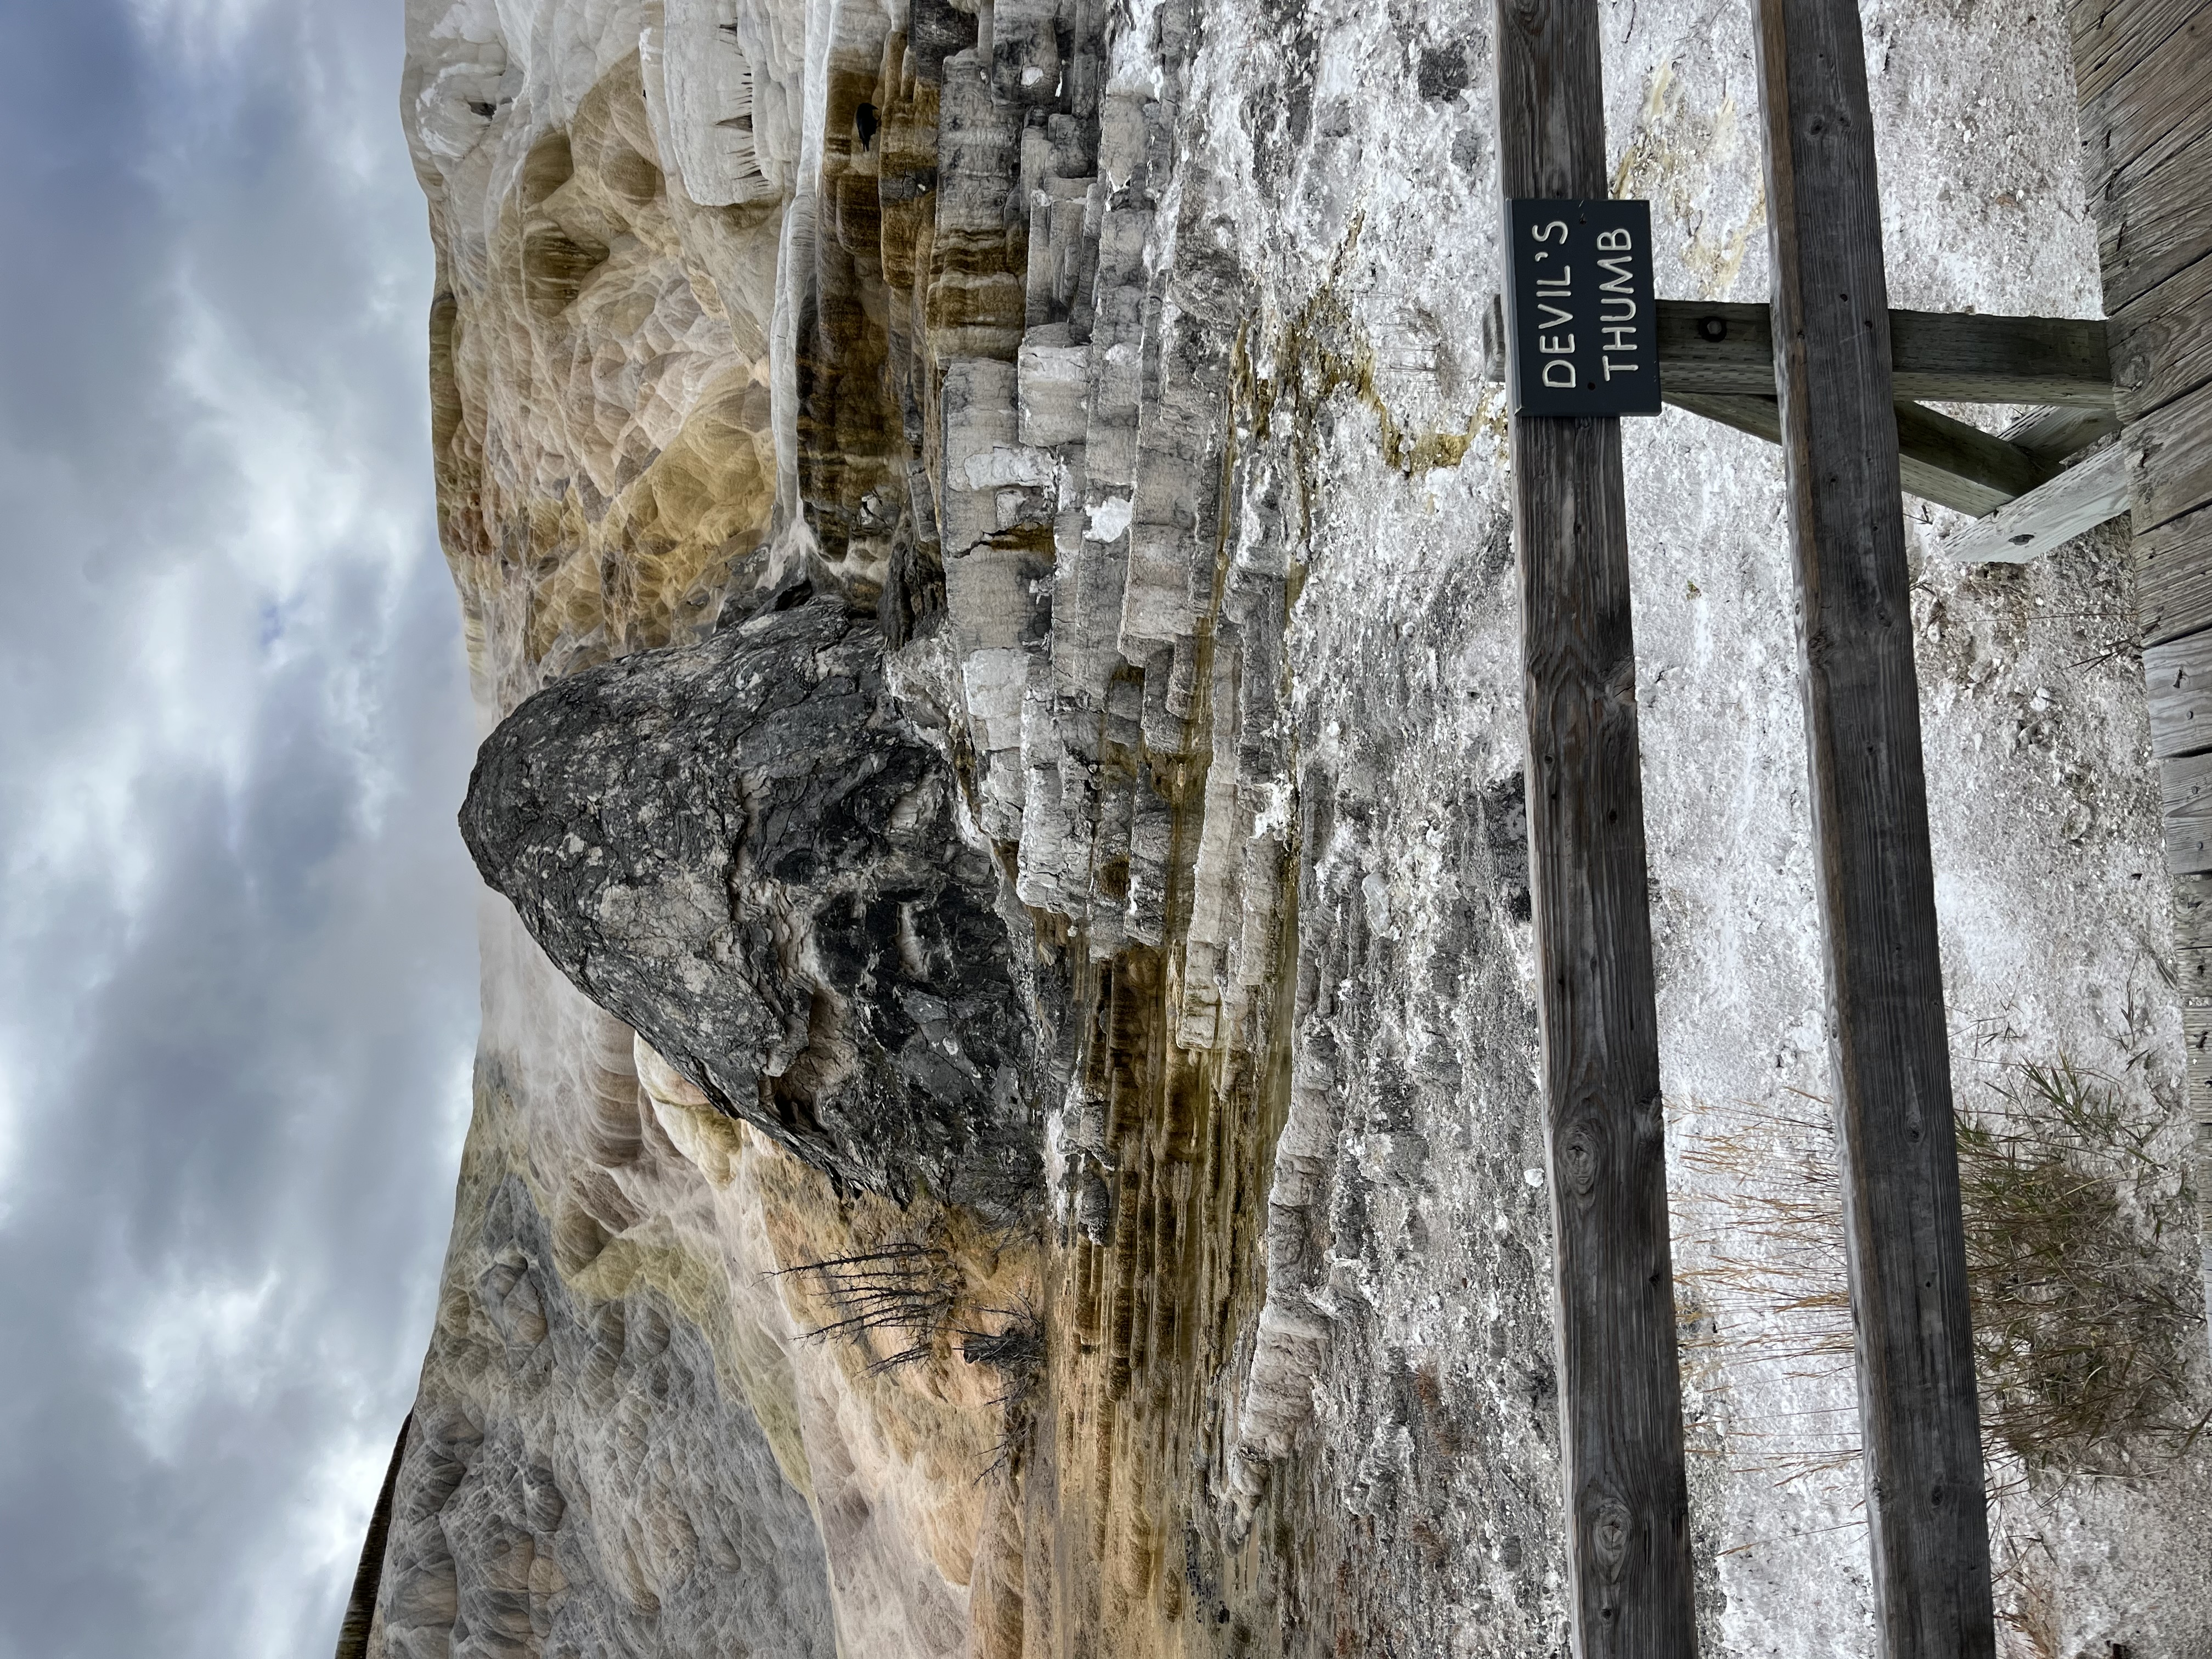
(1005, 1120)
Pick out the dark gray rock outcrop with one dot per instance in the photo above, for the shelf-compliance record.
(743, 850)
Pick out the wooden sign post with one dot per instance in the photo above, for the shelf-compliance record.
(1620, 1416)
(1891, 1053)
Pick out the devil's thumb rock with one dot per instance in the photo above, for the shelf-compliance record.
(743, 850)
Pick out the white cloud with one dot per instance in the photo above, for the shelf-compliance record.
(235, 983)
(11, 1137)
(190, 1340)
(198, 34)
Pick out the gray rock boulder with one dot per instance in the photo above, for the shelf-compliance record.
(742, 849)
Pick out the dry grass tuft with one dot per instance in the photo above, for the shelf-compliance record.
(2083, 1334)
(901, 1305)
(906, 1291)
(1015, 1350)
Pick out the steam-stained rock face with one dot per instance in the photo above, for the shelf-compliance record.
(742, 849)
(543, 1409)
(1110, 372)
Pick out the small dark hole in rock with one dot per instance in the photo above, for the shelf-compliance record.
(864, 123)
(2022, 540)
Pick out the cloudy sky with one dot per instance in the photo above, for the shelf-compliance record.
(237, 970)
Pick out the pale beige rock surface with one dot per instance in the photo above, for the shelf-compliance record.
(1126, 362)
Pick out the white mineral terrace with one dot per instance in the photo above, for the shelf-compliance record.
(1128, 361)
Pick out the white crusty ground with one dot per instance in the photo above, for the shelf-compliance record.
(1334, 197)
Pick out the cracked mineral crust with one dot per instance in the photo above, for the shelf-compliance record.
(1007, 1121)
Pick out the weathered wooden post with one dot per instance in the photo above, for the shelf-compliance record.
(1620, 1392)
(1890, 1052)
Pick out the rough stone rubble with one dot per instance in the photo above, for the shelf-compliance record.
(1124, 364)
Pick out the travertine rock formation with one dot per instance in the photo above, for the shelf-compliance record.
(740, 848)
(1110, 376)
(498, 1528)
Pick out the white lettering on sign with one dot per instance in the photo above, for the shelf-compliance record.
(1554, 306)
(1616, 301)
(1579, 279)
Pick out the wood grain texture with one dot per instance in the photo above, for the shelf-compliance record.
(1740, 362)
(2152, 222)
(2173, 472)
(2192, 913)
(2053, 513)
(2178, 685)
(1898, 1154)
(2110, 37)
(2162, 341)
(2155, 106)
(1942, 460)
(1962, 358)
(2050, 434)
(2186, 785)
(1760, 417)
(1951, 357)
(2192, 938)
(2197, 1040)
(2173, 577)
(1983, 470)
(1627, 1494)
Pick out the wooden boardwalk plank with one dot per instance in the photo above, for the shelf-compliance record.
(2187, 785)
(2110, 37)
(2162, 341)
(2153, 223)
(2156, 105)
(2147, 149)
(2178, 682)
(2192, 938)
(2173, 577)
(2174, 460)
(1627, 1492)
(1905, 1238)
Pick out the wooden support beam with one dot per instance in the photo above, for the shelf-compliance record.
(1620, 1415)
(1949, 357)
(2052, 435)
(1981, 472)
(2049, 516)
(1905, 1242)
(1944, 461)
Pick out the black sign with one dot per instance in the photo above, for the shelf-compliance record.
(1583, 325)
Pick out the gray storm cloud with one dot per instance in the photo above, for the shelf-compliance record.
(237, 989)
